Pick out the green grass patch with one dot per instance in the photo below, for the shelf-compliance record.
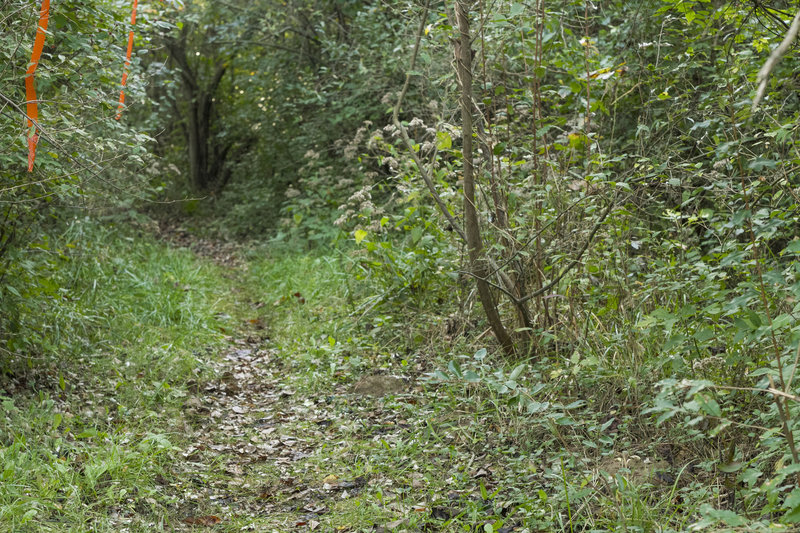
(107, 328)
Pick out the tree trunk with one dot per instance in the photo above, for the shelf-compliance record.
(205, 165)
(463, 53)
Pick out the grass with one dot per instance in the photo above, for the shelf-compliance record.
(181, 395)
(458, 454)
(87, 427)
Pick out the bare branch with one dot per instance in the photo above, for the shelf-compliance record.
(574, 261)
(774, 58)
(423, 170)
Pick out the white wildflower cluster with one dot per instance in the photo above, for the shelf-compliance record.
(361, 195)
(342, 220)
(359, 207)
(388, 99)
(352, 149)
(375, 138)
(707, 363)
(391, 130)
(454, 131)
(291, 192)
(391, 162)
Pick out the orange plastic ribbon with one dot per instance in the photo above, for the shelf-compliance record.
(127, 62)
(32, 103)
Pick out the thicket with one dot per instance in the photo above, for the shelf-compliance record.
(86, 162)
(637, 219)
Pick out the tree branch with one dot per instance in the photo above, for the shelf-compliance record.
(423, 170)
(774, 58)
(575, 261)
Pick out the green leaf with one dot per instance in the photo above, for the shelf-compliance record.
(704, 334)
(793, 248)
(729, 517)
(793, 500)
(791, 517)
(750, 476)
(709, 405)
(731, 467)
(416, 234)
(86, 434)
(471, 376)
(760, 164)
(673, 341)
(517, 371)
(536, 407)
(29, 514)
(781, 321)
(762, 371)
(443, 140)
(455, 369)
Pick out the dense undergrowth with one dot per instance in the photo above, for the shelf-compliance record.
(96, 428)
(571, 254)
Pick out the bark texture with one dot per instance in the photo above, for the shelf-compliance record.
(478, 263)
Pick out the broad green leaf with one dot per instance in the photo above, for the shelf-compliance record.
(471, 376)
(709, 405)
(455, 368)
(793, 247)
(729, 468)
(443, 140)
(517, 371)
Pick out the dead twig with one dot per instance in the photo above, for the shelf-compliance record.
(774, 58)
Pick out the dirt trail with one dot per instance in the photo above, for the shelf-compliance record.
(258, 449)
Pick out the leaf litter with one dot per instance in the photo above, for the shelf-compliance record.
(260, 449)
(273, 447)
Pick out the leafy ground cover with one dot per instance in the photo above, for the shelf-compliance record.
(228, 389)
(87, 429)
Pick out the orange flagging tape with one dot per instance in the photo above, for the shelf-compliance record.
(32, 103)
(127, 62)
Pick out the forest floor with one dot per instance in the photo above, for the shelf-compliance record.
(279, 443)
(271, 407)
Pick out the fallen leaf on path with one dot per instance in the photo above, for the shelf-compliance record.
(209, 520)
(316, 509)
